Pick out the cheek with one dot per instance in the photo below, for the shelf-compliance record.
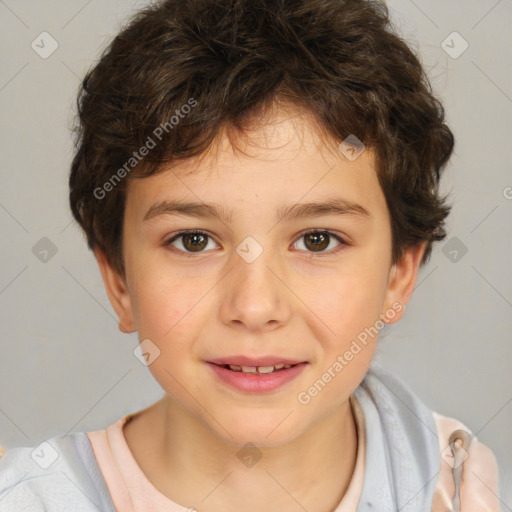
(169, 312)
(167, 308)
(348, 302)
(350, 307)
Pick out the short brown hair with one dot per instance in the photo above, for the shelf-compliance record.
(341, 60)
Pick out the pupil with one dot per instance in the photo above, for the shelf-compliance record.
(321, 240)
(198, 238)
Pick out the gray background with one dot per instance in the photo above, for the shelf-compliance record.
(65, 367)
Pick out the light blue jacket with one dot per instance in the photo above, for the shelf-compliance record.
(401, 466)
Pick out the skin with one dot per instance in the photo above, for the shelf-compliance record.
(294, 300)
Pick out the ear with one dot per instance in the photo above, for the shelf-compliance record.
(117, 292)
(402, 280)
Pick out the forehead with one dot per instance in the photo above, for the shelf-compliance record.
(284, 158)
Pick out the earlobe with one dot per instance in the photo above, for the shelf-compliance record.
(402, 281)
(117, 292)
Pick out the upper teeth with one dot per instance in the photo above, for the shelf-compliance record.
(258, 369)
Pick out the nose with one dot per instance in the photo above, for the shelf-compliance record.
(254, 295)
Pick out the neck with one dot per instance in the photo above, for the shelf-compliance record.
(193, 467)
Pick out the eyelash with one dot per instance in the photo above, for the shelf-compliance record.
(187, 254)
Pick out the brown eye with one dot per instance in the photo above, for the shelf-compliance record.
(194, 242)
(189, 242)
(319, 241)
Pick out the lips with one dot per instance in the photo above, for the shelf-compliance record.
(259, 366)
(256, 378)
(262, 370)
(264, 361)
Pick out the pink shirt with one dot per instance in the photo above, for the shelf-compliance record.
(131, 491)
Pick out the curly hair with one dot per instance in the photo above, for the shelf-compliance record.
(181, 70)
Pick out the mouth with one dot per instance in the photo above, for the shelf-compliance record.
(256, 375)
(262, 370)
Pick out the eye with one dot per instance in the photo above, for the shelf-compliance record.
(193, 242)
(190, 241)
(318, 241)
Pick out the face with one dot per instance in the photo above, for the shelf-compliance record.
(289, 262)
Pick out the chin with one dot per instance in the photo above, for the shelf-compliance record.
(251, 427)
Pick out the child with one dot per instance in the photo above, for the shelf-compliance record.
(258, 291)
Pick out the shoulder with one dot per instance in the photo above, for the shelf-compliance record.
(413, 428)
(466, 459)
(58, 475)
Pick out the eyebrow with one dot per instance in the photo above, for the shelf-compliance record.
(287, 212)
